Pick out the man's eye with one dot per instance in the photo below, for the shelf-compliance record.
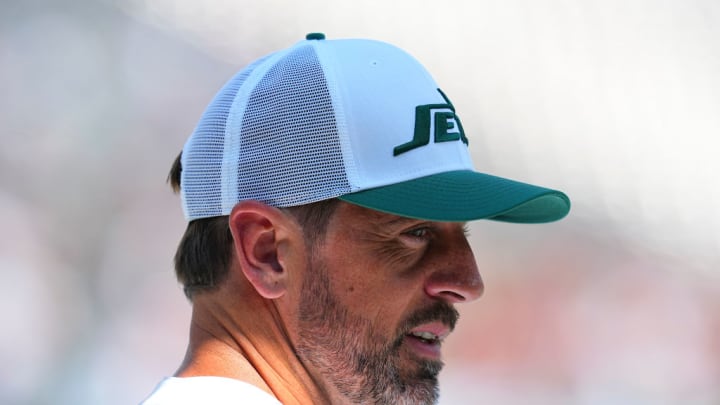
(419, 233)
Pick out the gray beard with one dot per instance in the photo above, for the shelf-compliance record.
(357, 360)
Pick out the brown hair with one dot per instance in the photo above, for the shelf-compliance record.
(205, 251)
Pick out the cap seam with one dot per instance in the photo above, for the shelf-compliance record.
(229, 193)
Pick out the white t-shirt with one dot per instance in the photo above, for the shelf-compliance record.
(207, 390)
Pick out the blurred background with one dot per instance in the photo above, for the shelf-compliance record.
(615, 102)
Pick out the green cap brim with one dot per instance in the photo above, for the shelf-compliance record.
(465, 195)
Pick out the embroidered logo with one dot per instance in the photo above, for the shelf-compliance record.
(437, 119)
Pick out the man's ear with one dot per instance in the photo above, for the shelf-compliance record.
(257, 231)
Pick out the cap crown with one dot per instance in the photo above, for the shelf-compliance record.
(317, 121)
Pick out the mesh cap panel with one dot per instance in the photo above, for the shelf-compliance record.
(284, 150)
(290, 152)
(202, 156)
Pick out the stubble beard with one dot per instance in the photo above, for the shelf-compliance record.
(361, 363)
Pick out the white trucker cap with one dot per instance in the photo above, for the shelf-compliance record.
(354, 119)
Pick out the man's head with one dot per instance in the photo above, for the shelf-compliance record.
(336, 177)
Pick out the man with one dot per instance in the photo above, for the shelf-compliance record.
(327, 186)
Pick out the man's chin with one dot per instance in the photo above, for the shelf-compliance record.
(419, 382)
(419, 364)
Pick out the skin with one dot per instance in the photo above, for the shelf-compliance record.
(331, 323)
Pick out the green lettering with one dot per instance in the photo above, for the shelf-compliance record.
(457, 119)
(422, 131)
(443, 123)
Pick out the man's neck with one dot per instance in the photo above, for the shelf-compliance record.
(250, 346)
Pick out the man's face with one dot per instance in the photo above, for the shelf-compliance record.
(377, 301)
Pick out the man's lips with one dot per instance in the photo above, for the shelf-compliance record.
(425, 339)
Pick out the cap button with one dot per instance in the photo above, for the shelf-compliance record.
(315, 36)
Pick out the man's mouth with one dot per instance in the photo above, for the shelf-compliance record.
(425, 330)
(425, 340)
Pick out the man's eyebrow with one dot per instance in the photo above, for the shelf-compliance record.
(397, 221)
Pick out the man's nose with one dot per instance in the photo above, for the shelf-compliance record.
(456, 278)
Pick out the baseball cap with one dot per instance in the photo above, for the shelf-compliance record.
(355, 119)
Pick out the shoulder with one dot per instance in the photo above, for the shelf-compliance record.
(207, 390)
